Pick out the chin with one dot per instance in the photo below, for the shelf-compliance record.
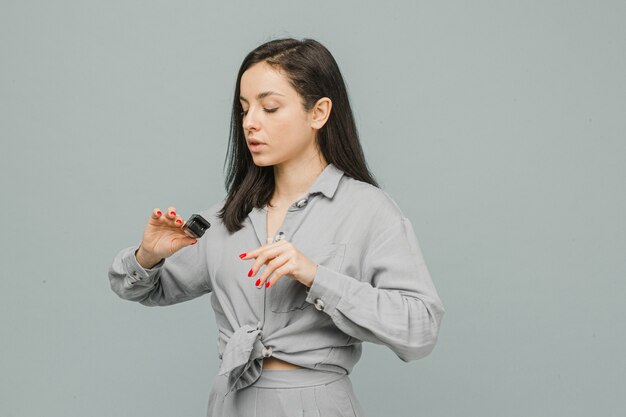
(267, 160)
(262, 162)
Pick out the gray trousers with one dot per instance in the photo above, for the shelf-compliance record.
(287, 393)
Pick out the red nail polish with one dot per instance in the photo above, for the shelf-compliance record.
(179, 221)
(243, 255)
(173, 213)
(267, 284)
(258, 281)
(158, 212)
(250, 273)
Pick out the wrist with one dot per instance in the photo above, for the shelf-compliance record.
(144, 259)
(309, 280)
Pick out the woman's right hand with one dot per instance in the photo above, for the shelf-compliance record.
(162, 237)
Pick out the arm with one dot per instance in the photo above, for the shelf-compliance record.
(395, 302)
(180, 277)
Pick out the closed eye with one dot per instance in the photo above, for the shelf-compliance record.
(243, 113)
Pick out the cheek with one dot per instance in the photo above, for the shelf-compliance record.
(289, 127)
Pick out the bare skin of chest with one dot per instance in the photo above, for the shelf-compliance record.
(275, 218)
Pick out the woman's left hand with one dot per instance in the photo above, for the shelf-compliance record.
(282, 258)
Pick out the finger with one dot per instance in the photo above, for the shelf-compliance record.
(179, 221)
(256, 253)
(264, 254)
(278, 274)
(261, 249)
(190, 240)
(171, 213)
(180, 242)
(272, 266)
(156, 213)
(251, 254)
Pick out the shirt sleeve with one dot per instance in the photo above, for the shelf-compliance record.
(393, 303)
(180, 277)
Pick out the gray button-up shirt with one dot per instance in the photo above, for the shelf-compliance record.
(372, 283)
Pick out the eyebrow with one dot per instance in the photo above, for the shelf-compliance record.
(262, 95)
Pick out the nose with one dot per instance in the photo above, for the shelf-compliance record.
(249, 120)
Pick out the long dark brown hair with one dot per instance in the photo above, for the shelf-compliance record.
(313, 72)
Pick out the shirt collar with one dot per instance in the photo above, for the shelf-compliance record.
(327, 181)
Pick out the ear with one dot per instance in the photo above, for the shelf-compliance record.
(320, 112)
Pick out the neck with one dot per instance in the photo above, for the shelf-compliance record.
(292, 179)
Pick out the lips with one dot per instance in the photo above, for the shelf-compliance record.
(255, 145)
(254, 141)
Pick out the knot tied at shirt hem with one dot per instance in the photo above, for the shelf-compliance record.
(243, 357)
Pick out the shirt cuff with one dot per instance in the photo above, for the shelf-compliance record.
(327, 289)
(137, 273)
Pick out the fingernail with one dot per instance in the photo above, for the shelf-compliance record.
(243, 255)
(158, 212)
(250, 273)
(258, 281)
(173, 213)
(179, 221)
(267, 284)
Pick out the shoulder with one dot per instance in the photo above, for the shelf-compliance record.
(367, 198)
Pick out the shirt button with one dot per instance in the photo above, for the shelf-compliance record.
(279, 236)
(319, 304)
(267, 352)
(134, 273)
(301, 203)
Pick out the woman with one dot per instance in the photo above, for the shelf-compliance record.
(306, 257)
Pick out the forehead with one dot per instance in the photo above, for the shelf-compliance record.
(263, 77)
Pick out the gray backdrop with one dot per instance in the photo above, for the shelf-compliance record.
(498, 127)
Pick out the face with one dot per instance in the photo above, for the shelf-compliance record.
(274, 116)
